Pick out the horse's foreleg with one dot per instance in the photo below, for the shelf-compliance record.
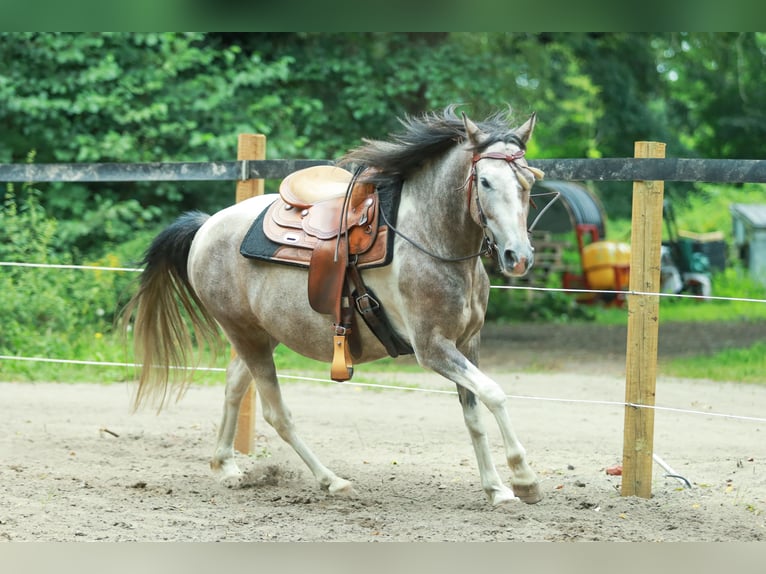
(496, 491)
(446, 360)
(524, 480)
(238, 379)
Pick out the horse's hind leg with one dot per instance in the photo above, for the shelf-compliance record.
(238, 379)
(278, 416)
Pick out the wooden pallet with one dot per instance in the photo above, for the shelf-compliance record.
(548, 261)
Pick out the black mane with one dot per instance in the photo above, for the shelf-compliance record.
(424, 137)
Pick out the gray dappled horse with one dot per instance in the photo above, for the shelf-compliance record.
(465, 191)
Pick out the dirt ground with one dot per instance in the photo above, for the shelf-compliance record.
(77, 465)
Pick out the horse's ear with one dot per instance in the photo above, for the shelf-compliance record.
(525, 131)
(472, 130)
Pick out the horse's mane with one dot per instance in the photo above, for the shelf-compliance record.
(424, 137)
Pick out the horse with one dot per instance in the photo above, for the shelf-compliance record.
(465, 192)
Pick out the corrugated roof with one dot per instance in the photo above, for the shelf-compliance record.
(753, 213)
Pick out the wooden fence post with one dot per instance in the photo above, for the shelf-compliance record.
(643, 329)
(250, 147)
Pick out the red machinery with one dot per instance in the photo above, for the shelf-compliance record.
(605, 266)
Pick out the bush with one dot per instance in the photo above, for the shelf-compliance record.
(51, 312)
(507, 305)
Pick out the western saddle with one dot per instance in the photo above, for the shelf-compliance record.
(325, 219)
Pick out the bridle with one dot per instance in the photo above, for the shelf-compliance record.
(510, 159)
(489, 246)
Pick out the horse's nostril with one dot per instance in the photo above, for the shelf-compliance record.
(509, 257)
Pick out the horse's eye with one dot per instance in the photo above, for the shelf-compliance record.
(484, 182)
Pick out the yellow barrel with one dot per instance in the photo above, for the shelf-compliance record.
(606, 264)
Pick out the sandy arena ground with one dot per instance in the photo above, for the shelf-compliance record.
(76, 465)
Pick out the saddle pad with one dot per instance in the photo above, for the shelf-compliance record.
(256, 245)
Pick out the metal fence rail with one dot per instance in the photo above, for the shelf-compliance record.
(156, 171)
(605, 169)
(651, 169)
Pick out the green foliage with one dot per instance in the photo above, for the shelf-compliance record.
(137, 97)
(52, 312)
(105, 226)
(518, 305)
(131, 97)
(707, 209)
(715, 84)
(342, 87)
(25, 230)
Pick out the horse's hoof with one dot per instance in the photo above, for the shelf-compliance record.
(341, 487)
(504, 498)
(232, 482)
(228, 473)
(529, 493)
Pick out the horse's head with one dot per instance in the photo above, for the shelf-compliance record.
(499, 186)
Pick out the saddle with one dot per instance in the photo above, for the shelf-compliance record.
(317, 210)
(327, 221)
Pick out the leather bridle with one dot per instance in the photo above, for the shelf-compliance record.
(490, 245)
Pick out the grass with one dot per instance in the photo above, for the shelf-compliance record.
(112, 348)
(740, 365)
(673, 311)
(747, 365)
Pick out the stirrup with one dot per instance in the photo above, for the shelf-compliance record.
(342, 368)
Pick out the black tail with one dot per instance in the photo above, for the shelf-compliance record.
(161, 334)
(170, 249)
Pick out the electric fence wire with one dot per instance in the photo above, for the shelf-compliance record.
(396, 387)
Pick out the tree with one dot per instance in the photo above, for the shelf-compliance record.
(716, 91)
(130, 98)
(184, 97)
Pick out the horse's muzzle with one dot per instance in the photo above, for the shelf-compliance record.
(514, 264)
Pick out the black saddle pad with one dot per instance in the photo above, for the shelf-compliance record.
(256, 245)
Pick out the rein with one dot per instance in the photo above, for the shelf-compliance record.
(484, 250)
(488, 244)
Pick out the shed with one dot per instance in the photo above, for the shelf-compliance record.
(749, 230)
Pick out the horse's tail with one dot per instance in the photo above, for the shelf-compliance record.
(162, 335)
